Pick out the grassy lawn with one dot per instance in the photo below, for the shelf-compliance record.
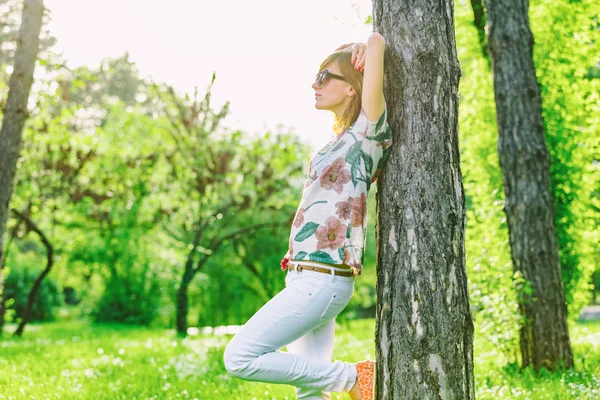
(74, 360)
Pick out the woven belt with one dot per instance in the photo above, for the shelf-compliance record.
(298, 266)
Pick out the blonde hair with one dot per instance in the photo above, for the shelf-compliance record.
(343, 59)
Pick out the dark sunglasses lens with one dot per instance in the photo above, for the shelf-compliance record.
(321, 76)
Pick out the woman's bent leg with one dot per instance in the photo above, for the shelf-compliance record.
(253, 353)
(316, 345)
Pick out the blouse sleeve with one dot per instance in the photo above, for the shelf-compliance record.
(376, 145)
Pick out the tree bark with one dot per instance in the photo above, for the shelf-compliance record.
(529, 207)
(16, 112)
(424, 327)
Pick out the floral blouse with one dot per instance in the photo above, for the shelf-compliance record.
(331, 220)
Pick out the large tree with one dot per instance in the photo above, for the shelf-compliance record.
(529, 206)
(424, 327)
(16, 112)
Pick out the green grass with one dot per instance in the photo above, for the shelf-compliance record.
(75, 360)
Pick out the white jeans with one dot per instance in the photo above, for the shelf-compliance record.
(302, 318)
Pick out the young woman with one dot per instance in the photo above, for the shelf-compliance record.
(327, 239)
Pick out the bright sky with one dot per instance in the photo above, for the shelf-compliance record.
(265, 52)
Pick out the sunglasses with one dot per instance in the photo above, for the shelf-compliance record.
(324, 75)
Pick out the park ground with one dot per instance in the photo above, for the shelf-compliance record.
(75, 359)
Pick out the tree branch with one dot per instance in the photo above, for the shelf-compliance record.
(218, 242)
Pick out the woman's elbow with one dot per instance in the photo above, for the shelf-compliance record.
(376, 37)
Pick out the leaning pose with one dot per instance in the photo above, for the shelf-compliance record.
(327, 239)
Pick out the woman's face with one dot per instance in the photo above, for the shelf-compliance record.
(334, 94)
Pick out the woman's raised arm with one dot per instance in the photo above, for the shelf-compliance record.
(373, 101)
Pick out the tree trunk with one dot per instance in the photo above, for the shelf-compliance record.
(529, 206)
(479, 22)
(424, 327)
(16, 112)
(182, 301)
(38, 282)
(190, 270)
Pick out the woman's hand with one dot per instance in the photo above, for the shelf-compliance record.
(359, 50)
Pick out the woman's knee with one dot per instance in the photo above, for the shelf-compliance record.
(235, 363)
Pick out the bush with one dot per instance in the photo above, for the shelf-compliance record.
(129, 300)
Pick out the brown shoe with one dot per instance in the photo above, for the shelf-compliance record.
(365, 377)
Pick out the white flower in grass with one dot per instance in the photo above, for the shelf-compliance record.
(77, 363)
(90, 373)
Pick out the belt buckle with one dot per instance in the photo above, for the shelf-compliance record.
(298, 267)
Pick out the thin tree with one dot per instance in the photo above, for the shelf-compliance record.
(38, 282)
(217, 206)
(424, 326)
(529, 206)
(15, 112)
(479, 22)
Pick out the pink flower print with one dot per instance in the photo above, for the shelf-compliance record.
(343, 209)
(335, 176)
(347, 256)
(359, 209)
(299, 218)
(312, 175)
(348, 260)
(331, 235)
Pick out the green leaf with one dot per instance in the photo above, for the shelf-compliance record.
(307, 231)
(321, 256)
(381, 121)
(354, 173)
(384, 157)
(368, 163)
(353, 153)
(381, 136)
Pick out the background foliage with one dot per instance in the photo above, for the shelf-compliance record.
(119, 172)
